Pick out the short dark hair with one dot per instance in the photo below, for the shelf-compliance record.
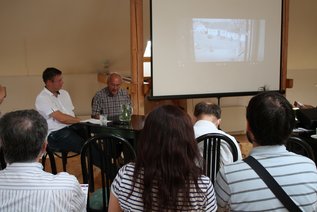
(271, 118)
(207, 108)
(22, 134)
(50, 73)
(166, 143)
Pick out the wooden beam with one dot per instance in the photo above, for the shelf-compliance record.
(284, 83)
(136, 25)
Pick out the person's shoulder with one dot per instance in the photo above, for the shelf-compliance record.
(127, 169)
(123, 91)
(65, 179)
(42, 93)
(300, 159)
(204, 179)
(204, 182)
(102, 91)
(64, 92)
(235, 166)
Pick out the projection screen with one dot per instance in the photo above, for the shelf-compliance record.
(206, 48)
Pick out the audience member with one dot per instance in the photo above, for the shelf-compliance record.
(166, 175)
(109, 99)
(24, 186)
(208, 119)
(56, 106)
(270, 121)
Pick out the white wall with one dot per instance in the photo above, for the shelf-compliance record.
(302, 51)
(22, 91)
(77, 36)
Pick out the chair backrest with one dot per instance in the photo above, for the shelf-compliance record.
(3, 164)
(211, 152)
(101, 157)
(300, 146)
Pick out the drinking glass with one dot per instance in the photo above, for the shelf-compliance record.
(126, 113)
(103, 119)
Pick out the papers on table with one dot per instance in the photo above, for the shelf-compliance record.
(84, 188)
(300, 129)
(93, 121)
(314, 136)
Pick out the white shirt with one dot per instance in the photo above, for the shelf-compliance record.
(46, 103)
(26, 187)
(202, 127)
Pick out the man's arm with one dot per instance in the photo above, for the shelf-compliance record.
(222, 191)
(95, 106)
(114, 203)
(64, 118)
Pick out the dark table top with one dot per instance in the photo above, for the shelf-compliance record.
(306, 135)
(128, 130)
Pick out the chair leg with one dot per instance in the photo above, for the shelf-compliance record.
(64, 160)
(52, 161)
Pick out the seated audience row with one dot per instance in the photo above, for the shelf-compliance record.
(167, 173)
(160, 180)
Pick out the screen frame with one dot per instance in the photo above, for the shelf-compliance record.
(282, 73)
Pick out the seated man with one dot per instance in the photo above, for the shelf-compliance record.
(56, 106)
(24, 186)
(109, 99)
(270, 121)
(208, 119)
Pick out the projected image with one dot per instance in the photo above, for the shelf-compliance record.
(228, 40)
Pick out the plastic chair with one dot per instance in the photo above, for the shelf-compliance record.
(300, 146)
(211, 152)
(101, 157)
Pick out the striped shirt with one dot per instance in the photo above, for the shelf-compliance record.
(103, 102)
(122, 185)
(239, 188)
(26, 187)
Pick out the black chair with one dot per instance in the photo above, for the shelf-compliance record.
(101, 157)
(300, 146)
(51, 153)
(211, 152)
(3, 164)
(83, 131)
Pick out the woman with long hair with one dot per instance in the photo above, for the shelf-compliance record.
(166, 175)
